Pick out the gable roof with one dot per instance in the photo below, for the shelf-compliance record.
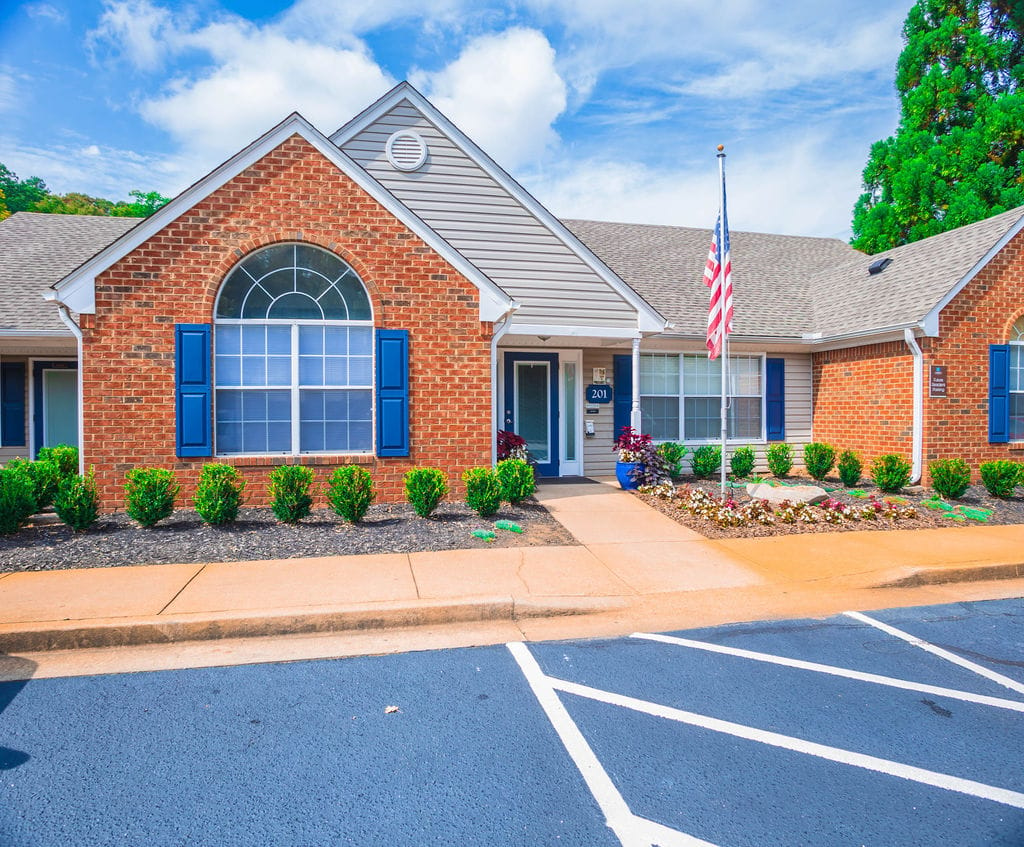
(38, 249)
(773, 273)
(77, 289)
(468, 199)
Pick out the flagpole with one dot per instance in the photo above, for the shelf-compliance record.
(721, 306)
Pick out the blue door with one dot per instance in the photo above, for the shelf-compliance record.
(531, 406)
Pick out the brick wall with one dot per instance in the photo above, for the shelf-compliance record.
(292, 194)
(863, 395)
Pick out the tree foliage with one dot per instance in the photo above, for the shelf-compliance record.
(32, 195)
(958, 153)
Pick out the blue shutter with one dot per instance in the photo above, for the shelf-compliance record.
(622, 394)
(193, 395)
(12, 404)
(775, 399)
(999, 393)
(392, 392)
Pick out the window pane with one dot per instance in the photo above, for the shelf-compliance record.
(253, 421)
(745, 375)
(745, 417)
(254, 340)
(228, 340)
(279, 283)
(1017, 417)
(335, 370)
(1016, 367)
(702, 377)
(296, 307)
(659, 374)
(311, 340)
(336, 340)
(360, 370)
(257, 302)
(360, 340)
(310, 283)
(703, 419)
(279, 340)
(661, 417)
(311, 370)
(229, 370)
(569, 415)
(335, 420)
(356, 301)
(254, 370)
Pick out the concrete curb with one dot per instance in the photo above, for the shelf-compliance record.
(119, 632)
(916, 577)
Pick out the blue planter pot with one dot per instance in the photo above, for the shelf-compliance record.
(622, 470)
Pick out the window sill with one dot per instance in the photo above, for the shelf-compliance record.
(260, 460)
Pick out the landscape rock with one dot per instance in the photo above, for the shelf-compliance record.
(776, 494)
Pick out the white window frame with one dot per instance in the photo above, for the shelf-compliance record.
(1016, 342)
(682, 397)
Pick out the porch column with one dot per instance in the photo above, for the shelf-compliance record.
(634, 413)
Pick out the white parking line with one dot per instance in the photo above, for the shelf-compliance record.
(952, 693)
(631, 830)
(1005, 681)
(799, 745)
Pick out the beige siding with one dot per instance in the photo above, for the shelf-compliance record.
(598, 454)
(468, 208)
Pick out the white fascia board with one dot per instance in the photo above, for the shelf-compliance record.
(931, 320)
(48, 334)
(80, 284)
(572, 331)
(648, 318)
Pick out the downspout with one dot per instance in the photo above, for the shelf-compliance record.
(503, 326)
(918, 425)
(76, 330)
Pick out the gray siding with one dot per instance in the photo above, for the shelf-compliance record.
(476, 215)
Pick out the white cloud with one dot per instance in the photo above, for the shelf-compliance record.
(45, 10)
(504, 92)
(138, 31)
(8, 93)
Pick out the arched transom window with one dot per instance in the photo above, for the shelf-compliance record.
(1017, 381)
(293, 345)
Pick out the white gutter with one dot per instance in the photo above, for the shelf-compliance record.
(918, 431)
(499, 332)
(76, 330)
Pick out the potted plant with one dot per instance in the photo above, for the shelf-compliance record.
(632, 447)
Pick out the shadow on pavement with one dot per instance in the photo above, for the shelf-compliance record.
(17, 671)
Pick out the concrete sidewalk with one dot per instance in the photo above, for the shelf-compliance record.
(634, 568)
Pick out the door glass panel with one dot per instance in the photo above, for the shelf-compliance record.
(60, 408)
(569, 414)
(531, 411)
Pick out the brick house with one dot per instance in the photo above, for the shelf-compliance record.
(389, 296)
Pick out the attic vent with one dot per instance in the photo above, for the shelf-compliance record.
(406, 150)
(879, 265)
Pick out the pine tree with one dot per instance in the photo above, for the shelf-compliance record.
(958, 154)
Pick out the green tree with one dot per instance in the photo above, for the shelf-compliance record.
(958, 153)
(32, 195)
(4, 211)
(22, 195)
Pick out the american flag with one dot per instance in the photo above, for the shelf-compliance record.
(717, 281)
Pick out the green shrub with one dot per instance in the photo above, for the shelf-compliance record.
(350, 492)
(219, 494)
(483, 491)
(780, 458)
(289, 492)
(819, 459)
(850, 468)
(1000, 477)
(516, 478)
(64, 457)
(77, 504)
(424, 488)
(17, 498)
(706, 461)
(741, 463)
(27, 469)
(890, 472)
(950, 477)
(149, 494)
(672, 454)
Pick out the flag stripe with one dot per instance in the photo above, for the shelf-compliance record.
(718, 277)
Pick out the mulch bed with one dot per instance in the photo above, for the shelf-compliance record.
(182, 538)
(1008, 511)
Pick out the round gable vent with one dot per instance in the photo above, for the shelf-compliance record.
(406, 150)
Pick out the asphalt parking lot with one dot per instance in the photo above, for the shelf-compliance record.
(901, 727)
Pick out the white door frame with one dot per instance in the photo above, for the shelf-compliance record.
(32, 399)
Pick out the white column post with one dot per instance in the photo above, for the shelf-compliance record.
(634, 413)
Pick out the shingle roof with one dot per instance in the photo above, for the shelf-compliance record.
(37, 250)
(665, 265)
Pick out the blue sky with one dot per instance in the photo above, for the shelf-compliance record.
(603, 109)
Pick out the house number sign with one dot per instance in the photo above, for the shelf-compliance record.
(599, 393)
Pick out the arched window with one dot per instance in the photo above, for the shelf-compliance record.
(293, 346)
(1017, 381)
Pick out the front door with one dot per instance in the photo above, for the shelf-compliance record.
(531, 406)
(55, 402)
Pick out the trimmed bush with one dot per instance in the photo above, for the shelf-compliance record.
(26, 468)
(741, 463)
(706, 461)
(64, 457)
(17, 498)
(483, 491)
(149, 494)
(289, 492)
(516, 478)
(219, 494)
(672, 454)
(350, 492)
(1000, 477)
(890, 472)
(819, 459)
(424, 488)
(780, 458)
(77, 504)
(950, 477)
(850, 468)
